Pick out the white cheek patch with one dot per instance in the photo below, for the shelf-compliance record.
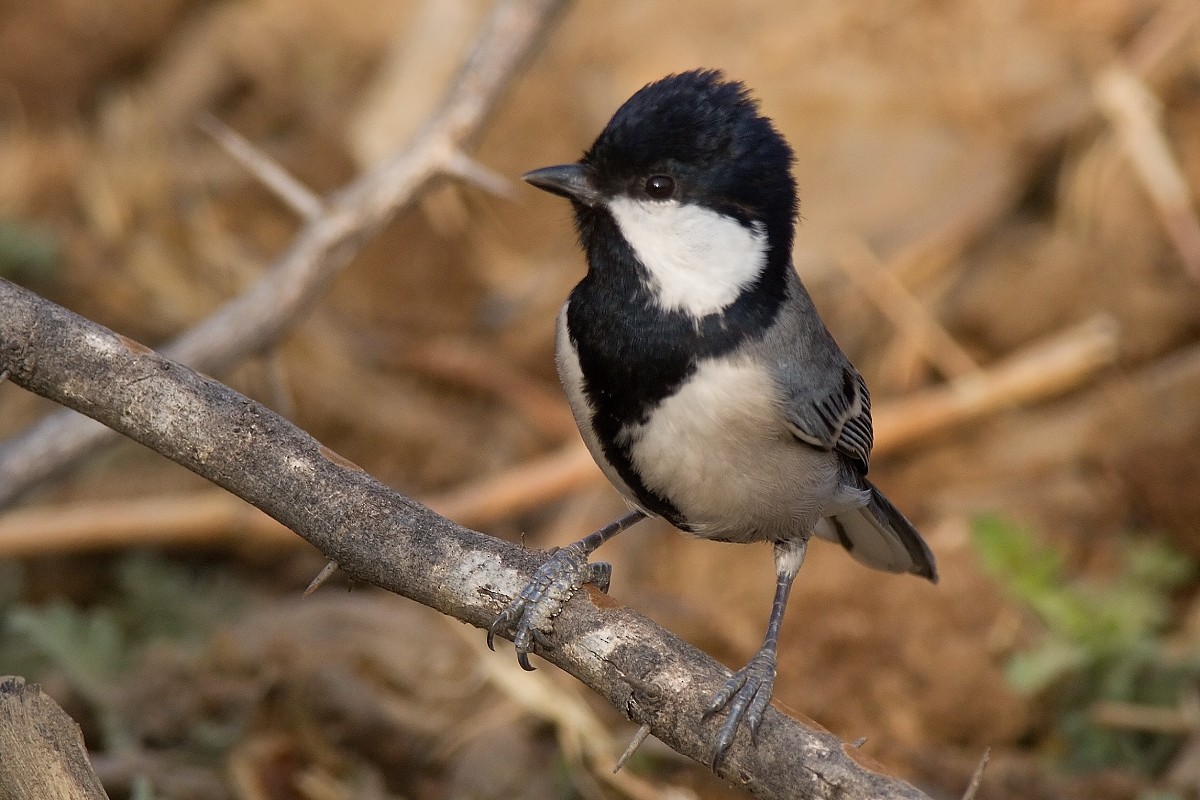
(699, 261)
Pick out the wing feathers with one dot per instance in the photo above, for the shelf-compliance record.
(840, 420)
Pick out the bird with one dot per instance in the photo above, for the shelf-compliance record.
(702, 379)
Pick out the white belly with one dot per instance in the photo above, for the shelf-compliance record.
(720, 452)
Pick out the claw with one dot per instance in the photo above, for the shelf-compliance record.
(503, 621)
(600, 575)
(491, 637)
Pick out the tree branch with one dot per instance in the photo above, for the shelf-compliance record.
(43, 749)
(349, 218)
(383, 538)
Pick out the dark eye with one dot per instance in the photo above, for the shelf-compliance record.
(660, 187)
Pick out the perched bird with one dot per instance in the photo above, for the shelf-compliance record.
(703, 381)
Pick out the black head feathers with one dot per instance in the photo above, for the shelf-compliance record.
(709, 135)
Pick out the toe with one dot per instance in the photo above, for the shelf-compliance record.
(530, 615)
(758, 706)
(744, 696)
(726, 693)
(724, 741)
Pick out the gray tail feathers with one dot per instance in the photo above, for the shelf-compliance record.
(879, 536)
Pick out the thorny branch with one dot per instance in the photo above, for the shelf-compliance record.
(347, 220)
(381, 537)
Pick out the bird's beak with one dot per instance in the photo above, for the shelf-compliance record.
(568, 180)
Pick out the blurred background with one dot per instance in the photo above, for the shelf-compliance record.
(998, 224)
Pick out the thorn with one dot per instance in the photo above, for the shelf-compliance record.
(294, 194)
(859, 742)
(3, 375)
(322, 576)
(462, 166)
(638, 738)
(977, 778)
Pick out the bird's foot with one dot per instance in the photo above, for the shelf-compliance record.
(530, 616)
(746, 696)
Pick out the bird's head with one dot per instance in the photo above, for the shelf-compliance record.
(692, 139)
(689, 189)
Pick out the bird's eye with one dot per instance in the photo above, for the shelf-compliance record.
(660, 187)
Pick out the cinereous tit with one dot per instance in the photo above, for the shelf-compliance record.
(703, 381)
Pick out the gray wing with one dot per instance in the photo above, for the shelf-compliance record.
(827, 406)
(834, 415)
(876, 534)
(825, 400)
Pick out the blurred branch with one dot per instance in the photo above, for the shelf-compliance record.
(1181, 721)
(1124, 96)
(218, 518)
(581, 734)
(1044, 369)
(1136, 116)
(923, 259)
(474, 369)
(1162, 36)
(522, 488)
(196, 518)
(380, 537)
(348, 219)
(908, 314)
(43, 748)
(270, 173)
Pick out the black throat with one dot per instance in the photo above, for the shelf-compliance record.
(634, 354)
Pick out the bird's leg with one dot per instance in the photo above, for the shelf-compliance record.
(748, 692)
(531, 613)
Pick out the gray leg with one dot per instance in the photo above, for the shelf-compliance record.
(530, 616)
(748, 692)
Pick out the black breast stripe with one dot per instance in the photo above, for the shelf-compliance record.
(634, 355)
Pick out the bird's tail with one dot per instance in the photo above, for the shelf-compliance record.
(879, 536)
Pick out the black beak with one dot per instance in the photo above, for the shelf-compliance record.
(567, 180)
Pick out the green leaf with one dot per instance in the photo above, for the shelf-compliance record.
(1101, 640)
(86, 645)
(28, 252)
(1032, 671)
(1012, 557)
